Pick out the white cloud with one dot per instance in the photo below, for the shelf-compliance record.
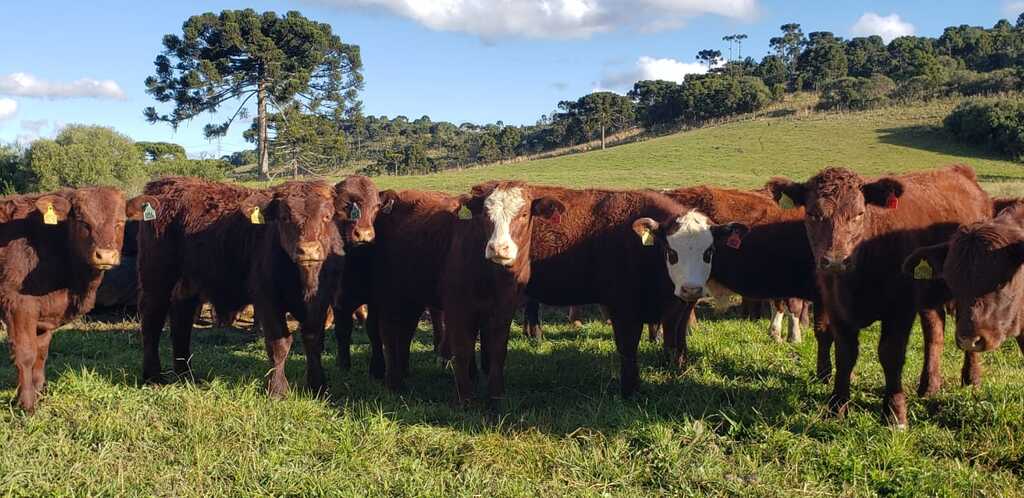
(491, 19)
(34, 125)
(8, 108)
(1013, 9)
(888, 27)
(650, 68)
(26, 85)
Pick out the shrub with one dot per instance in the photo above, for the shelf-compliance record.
(856, 93)
(81, 156)
(998, 125)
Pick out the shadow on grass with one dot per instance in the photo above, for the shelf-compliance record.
(935, 139)
(550, 387)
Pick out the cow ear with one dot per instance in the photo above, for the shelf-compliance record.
(387, 200)
(257, 208)
(926, 263)
(884, 192)
(645, 228)
(787, 193)
(548, 208)
(143, 207)
(731, 233)
(54, 208)
(7, 211)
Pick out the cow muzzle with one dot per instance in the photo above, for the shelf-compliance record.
(835, 264)
(309, 253)
(105, 259)
(690, 294)
(363, 236)
(501, 253)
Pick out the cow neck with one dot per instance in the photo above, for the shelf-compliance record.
(80, 280)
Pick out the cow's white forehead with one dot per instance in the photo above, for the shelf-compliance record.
(691, 224)
(505, 203)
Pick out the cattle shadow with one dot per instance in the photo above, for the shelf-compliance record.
(935, 139)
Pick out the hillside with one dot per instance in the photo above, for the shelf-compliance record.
(787, 141)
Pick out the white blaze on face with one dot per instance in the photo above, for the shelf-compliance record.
(501, 207)
(691, 242)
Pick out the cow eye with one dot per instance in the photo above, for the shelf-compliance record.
(708, 254)
(673, 257)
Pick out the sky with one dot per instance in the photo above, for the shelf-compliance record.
(482, 61)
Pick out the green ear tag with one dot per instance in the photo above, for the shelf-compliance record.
(923, 271)
(465, 213)
(785, 202)
(148, 213)
(50, 216)
(647, 238)
(256, 217)
(354, 213)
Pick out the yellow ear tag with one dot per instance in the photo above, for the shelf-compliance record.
(647, 238)
(465, 213)
(923, 271)
(256, 217)
(785, 202)
(50, 216)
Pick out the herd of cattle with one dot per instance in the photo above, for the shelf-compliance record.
(861, 250)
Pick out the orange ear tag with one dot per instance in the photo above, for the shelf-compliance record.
(734, 241)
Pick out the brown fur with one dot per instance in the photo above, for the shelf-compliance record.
(860, 245)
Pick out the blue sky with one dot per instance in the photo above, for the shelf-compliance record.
(69, 61)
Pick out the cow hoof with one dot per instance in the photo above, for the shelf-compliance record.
(155, 380)
(837, 407)
(577, 323)
(926, 389)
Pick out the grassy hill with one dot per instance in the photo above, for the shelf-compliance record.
(744, 419)
(787, 141)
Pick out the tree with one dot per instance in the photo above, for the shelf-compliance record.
(738, 40)
(84, 155)
(154, 151)
(309, 142)
(239, 54)
(710, 57)
(773, 71)
(603, 111)
(866, 56)
(788, 46)
(823, 61)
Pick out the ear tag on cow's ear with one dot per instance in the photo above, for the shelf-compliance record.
(354, 213)
(923, 271)
(785, 202)
(892, 202)
(555, 218)
(734, 241)
(465, 213)
(50, 216)
(148, 213)
(256, 217)
(647, 237)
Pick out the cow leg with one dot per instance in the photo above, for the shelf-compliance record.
(970, 373)
(343, 323)
(278, 341)
(847, 340)
(627, 332)
(22, 330)
(312, 330)
(496, 340)
(1020, 343)
(460, 337)
(42, 351)
(793, 313)
(575, 315)
(775, 329)
(676, 330)
(182, 316)
(437, 323)
(531, 320)
(154, 303)
(933, 324)
(397, 330)
(824, 337)
(376, 344)
(892, 353)
(654, 332)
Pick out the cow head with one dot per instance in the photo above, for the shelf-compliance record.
(508, 209)
(94, 219)
(358, 203)
(302, 214)
(688, 244)
(836, 204)
(981, 265)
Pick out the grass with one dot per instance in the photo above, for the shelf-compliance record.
(744, 419)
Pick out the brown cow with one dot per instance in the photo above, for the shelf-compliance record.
(981, 265)
(860, 232)
(55, 248)
(279, 249)
(613, 248)
(482, 293)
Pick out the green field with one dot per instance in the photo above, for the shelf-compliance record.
(744, 419)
